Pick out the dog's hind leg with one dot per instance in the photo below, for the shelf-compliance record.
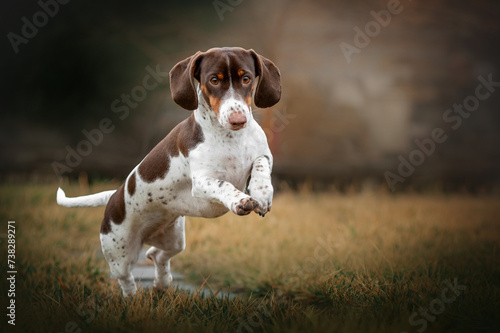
(166, 243)
(121, 253)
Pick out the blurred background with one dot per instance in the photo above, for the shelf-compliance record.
(362, 80)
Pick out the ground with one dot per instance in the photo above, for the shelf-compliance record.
(359, 262)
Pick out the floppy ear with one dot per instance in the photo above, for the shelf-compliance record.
(182, 82)
(268, 91)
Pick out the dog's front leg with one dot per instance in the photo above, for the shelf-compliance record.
(260, 187)
(221, 191)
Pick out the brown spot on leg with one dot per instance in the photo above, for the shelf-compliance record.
(115, 210)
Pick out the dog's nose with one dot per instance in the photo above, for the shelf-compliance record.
(237, 121)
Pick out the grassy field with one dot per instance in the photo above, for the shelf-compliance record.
(364, 262)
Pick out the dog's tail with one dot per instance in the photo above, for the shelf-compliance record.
(92, 200)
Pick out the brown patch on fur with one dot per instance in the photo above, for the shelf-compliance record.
(131, 185)
(188, 135)
(182, 138)
(182, 81)
(268, 91)
(248, 100)
(214, 104)
(115, 210)
(202, 65)
(156, 164)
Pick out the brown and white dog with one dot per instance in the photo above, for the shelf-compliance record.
(216, 160)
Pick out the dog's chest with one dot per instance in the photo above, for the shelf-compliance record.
(229, 160)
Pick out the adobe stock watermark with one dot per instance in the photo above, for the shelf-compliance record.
(121, 108)
(254, 320)
(321, 253)
(280, 119)
(29, 29)
(454, 117)
(87, 313)
(372, 29)
(224, 6)
(437, 306)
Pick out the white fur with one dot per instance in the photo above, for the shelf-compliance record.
(208, 182)
(93, 200)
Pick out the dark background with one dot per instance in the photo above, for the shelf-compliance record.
(338, 123)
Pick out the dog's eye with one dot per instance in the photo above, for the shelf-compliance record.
(246, 79)
(214, 80)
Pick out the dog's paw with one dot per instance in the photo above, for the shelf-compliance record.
(163, 282)
(264, 196)
(245, 206)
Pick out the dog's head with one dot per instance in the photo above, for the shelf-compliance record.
(227, 78)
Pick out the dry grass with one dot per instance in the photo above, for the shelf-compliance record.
(317, 262)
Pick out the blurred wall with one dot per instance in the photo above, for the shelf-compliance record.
(365, 85)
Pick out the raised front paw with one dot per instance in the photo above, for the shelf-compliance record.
(244, 206)
(263, 193)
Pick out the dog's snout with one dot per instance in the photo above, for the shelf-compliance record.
(237, 120)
